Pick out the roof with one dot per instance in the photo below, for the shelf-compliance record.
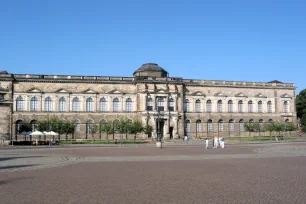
(152, 67)
(275, 81)
(3, 72)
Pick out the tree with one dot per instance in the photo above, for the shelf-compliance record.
(136, 128)
(148, 129)
(301, 108)
(68, 128)
(290, 127)
(43, 125)
(269, 127)
(278, 127)
(122, 127)
(93, 130)
(107, 128)
(251, 127)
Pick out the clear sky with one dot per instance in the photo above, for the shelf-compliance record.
(248, 40)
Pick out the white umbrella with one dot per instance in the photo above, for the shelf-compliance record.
(36, 133)
(53, 133)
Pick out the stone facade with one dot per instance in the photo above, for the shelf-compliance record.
(179, 101)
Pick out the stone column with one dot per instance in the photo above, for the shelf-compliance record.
(166, 103)
(122, 102)
(110, 104)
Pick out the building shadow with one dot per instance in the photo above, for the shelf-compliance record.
(16, 166)
(12, 180)
(11, 158)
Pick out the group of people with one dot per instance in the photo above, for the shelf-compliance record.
(216, 141)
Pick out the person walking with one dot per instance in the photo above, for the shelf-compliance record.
(216, 142)
(222, 142)
(206, 143)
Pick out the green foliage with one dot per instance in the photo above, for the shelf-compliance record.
(303, 123)
(107, 128)
(43, 125)
(93, 130)
(251, 127)
(25, 127)
(269, 127)
(291, 127)
(148, 129)
(278, 127)
(136, 127)
(301, 104)
(68, 128)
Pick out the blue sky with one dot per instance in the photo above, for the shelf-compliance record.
(258, 40)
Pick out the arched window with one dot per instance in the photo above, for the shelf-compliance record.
(149, 104)
(89, 126)
(208, 106)
(62, 104)
(129, 105)
(286, 107)
(34, 104)
(187, 126)
(230, 106)
(77, 127)
(18, 126)
(251, 121)
(261, 124)
(260, 106)
(231, 125)
(89, 104)
(198, 126)
(19, 104)
(115, 124)
(160, 104)
(171, 104)
(33, 124)
(48, 104)
(240, 106)
(220, 125)
(116, 105)
(250, 106)
(219, 106)
(198, 106)
(209, 126)
(269, 104)
(186, 105)
(270, 121)
(103, 104)
(241, 125)
(129, 122)
(76, 104)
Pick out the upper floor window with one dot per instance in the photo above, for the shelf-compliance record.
(89, 104)
(230, 106)
(62, 104)
(48, 104)
(129, 105)
(34, 104)
(187, 126)
(19, 104)
(149, 104)
(160, 104)
(260, 106)
(186, 105)
(76, 106)
(208, 106)
(219, 107)
(269, 106)
(240, 106)
(116, 105)
(250, 106)
(171, 104)
(286, 107)
(198, 106)
(103, 104)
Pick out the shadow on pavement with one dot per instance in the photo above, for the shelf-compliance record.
(3, 182)
(16, 166)
(11, 158)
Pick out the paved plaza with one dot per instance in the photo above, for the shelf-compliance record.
(265, 173)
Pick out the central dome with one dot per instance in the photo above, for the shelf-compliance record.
(150, 70)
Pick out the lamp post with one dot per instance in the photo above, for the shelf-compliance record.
(158, 140)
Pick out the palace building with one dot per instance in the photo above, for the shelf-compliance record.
(182, 106)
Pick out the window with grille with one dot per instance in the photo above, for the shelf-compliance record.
(62, 104)
(34, 104)
(76, 105)
(77, 127)
(160, 104)
(250, 107)
(171, 104)
(219, 107)
(230, 106)
(286, 107)
(116, 105)
(199, 126)
(186, 105)
(209, 126)
(149, 104)
(198, 106)
(48, 104)
(89, 126)
(103, 104)
(231, 126)
(261, 124)
(240, 106)
(89, 104)
(187, 126)
(220, 125)
(129, 105)
(208, 106)
(19, 104)
(260, 106)
(269, 104)
(241, 126)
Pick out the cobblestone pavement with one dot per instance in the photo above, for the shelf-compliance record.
(270, 173)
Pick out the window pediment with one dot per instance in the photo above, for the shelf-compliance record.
(34, 90)
(285, 96)
(61, 90)
(198, 93)
(260, 95)
(89, 91)
(115, 91)
(240, 94)
(219, 94)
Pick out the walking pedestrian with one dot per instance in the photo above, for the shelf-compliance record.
(206, 143)
(215, 142)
